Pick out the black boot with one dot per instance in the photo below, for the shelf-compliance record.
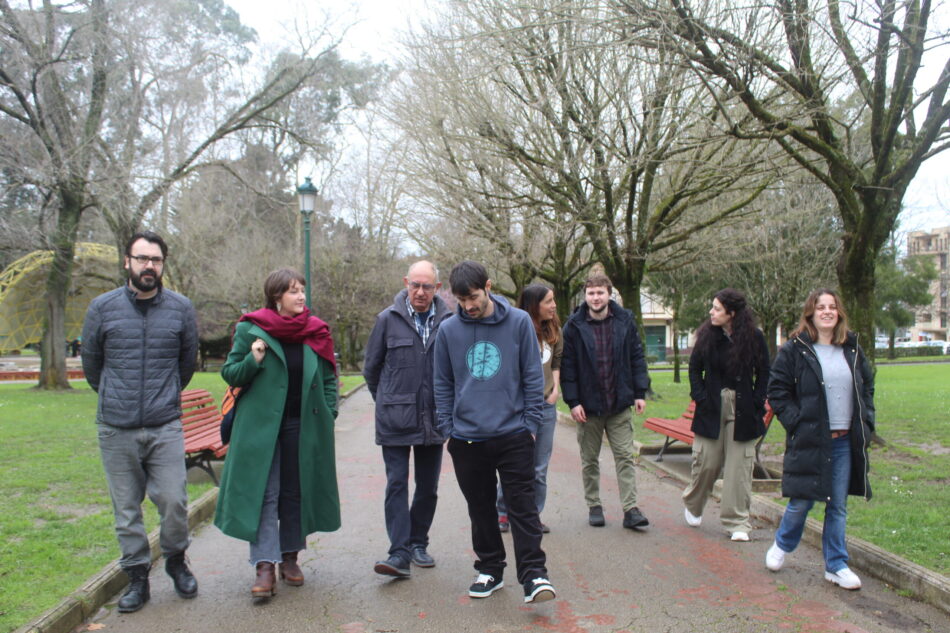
(185, 584)
(136, 595)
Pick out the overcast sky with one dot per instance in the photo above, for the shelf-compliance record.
(373, 27)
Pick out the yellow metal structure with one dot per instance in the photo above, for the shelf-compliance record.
(23, 292)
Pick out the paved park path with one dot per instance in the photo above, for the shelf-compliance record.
(669, 578)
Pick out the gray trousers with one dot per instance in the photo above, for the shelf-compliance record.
(150, 461)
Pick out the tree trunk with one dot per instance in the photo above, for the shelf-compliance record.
(674, 329)
(856, 281)
(769, 330)
(53, 346)
(564, 298)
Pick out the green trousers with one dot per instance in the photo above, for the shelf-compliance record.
(590, 436)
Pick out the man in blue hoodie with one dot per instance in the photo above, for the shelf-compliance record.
(489, 390)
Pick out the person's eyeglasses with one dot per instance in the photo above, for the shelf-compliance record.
(415, 285)
(144, 259)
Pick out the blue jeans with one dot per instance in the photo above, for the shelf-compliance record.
(279, 527)
(408, 526)
(833, 544)
(543, 447)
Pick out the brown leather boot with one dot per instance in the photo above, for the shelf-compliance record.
(290, 571)
(265, 585)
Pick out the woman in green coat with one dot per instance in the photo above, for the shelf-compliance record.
(279, 480)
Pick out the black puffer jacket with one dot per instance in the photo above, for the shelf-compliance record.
(706, 381)
(398, 372)
(138, 363)
(797, 395)
(579, 378)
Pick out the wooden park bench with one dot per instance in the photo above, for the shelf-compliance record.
(678, 430)
(201, 421)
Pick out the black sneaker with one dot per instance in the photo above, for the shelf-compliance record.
(539, 590)
(392, 566)
(596, 516)
(421, 557)
(633, 518)
(485, 586)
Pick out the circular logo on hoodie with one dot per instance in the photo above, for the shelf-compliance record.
(483, 360)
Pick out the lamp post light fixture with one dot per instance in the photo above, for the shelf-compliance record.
(307, 196)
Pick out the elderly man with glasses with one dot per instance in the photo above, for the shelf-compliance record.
(398, 372)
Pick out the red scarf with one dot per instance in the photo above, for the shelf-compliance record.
(301, 328)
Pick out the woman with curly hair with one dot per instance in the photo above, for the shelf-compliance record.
(728, 378)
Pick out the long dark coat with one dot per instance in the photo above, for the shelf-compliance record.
(254, 437)
(797, 395)
(706, 381)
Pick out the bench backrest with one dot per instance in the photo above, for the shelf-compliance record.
(200, 420)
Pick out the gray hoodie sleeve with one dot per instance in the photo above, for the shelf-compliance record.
(532, 376)
(443, 386)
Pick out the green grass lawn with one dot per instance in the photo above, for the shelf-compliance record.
(56, 520)
(56, 526)
(349, 381)
(909, 474)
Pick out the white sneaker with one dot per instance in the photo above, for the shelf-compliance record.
(844, 578)
(692, 521)
(775, 557)
(740, 537)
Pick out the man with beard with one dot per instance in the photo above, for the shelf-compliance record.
(603, 374)
(489, 392)
(139, 347)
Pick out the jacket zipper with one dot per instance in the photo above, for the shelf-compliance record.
(144, 365)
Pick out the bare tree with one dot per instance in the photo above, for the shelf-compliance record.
(839, 88)
(534, 113)
(117, 101)
(53, 87)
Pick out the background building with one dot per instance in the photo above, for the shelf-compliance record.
(932, 321)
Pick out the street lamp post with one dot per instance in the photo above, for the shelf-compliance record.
(307, 195)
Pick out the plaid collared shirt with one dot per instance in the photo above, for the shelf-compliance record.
(422, 320)
(603, 331)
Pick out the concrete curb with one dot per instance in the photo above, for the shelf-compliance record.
(83, 603)
(921, 583)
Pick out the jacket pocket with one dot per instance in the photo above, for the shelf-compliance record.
(396, 412)
(400, 353)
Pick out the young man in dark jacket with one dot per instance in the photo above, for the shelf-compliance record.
(398, 371)
(140, 344)
(603, 374)
(489, 392)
